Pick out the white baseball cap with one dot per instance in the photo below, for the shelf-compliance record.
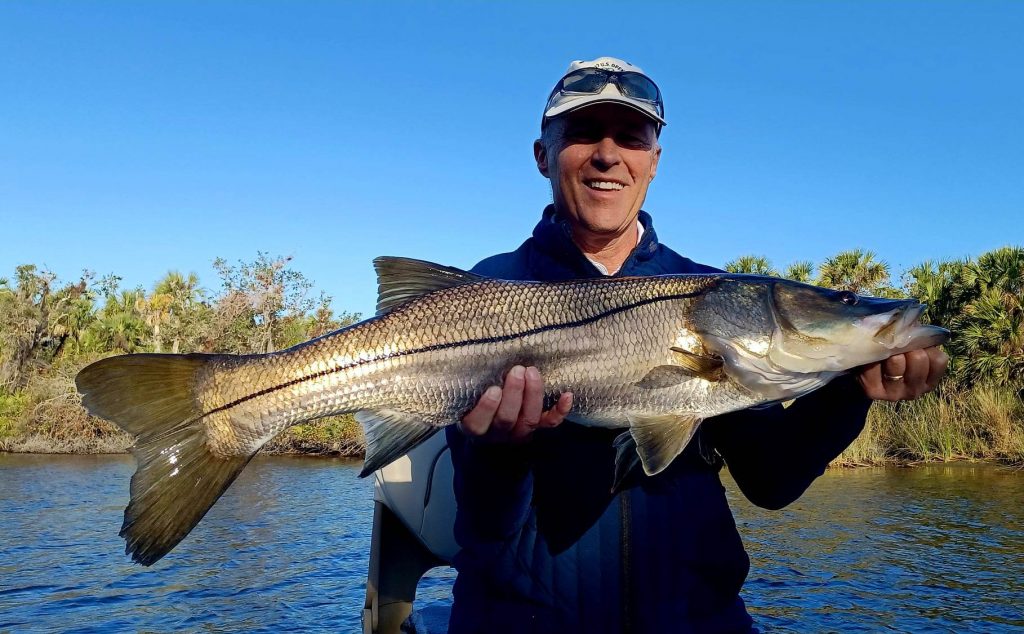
(605, 80)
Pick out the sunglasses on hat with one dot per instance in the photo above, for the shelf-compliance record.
(591, 81)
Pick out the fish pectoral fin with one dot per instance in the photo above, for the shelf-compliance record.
(687, 366)
(390, 434)
(401, 280)
(661, 437)
(664, 376)
(706, 367)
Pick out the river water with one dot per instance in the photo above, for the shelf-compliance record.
(929, 548)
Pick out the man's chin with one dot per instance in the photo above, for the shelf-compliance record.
(609, 225)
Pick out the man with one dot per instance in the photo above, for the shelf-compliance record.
(546, 546)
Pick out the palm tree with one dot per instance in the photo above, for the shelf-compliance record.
(756, 264)
(24, 317)
(856, 271)
(989, 328)
(121, 326)
(1002, 268)
(171, 310)
(156, 311)
(71, 315)
(802, 271)
(942, 287)
(991, 336)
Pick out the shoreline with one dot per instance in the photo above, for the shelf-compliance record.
(981, 424)
(35, 446)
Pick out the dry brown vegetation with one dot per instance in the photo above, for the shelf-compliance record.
(980, 423)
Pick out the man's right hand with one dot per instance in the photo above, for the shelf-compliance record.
(512, 413)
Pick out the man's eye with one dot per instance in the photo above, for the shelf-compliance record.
(582, 134)
(634, 142)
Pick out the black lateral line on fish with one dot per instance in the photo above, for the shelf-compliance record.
(444, 346)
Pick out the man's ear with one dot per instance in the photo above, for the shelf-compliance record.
(657, 157)
(540, 154)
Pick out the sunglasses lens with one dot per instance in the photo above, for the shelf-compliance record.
(586, 81)
(638, 86)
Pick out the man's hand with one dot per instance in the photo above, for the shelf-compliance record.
(904, 377)
(513, 412)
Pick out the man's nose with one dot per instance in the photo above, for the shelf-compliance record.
(606, 153)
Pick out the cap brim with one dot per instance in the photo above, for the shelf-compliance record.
(589, 100)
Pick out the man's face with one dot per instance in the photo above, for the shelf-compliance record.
(600, 160)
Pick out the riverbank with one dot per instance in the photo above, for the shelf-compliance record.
(335, 437)
(982, 423)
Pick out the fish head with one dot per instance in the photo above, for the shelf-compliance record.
(780, 339)
(825, 330)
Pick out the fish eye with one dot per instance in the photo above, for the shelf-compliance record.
(848, 298)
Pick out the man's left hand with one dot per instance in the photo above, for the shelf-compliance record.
(904, 377)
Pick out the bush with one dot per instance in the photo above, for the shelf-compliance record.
(335, 435)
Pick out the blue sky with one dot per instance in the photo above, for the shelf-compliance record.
(139, 137)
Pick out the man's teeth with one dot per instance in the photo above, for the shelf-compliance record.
(607, 185)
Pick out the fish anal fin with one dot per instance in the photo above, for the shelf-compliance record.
(401, 280)
(390, 434)
(626, 459)
(661, 437)
(706, 367)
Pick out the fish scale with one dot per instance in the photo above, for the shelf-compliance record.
(652, 355)
(426, 372)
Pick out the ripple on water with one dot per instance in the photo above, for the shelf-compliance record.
(924, 549)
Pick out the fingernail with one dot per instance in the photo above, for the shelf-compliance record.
(518, 372)
(493, 393)
(533, 372)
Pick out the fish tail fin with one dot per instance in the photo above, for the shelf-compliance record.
(179, 477)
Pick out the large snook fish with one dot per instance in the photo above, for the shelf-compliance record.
(654, 355)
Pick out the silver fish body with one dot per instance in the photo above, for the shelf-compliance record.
(655, 355)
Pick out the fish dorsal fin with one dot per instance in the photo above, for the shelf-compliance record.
(400, 280)
(389, 435)
(660, 438)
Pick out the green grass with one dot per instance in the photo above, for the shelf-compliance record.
(12, 409)
(335, 435)
(982, 423)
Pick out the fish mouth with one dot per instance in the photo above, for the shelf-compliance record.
(903, 332)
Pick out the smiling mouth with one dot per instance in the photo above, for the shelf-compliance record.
(604, 186)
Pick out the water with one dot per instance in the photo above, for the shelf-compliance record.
(935, 548)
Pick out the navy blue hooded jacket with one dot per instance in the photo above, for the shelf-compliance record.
(547, 548)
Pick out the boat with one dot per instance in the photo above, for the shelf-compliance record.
(413, 531)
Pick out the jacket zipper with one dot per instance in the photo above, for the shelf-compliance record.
(624, 507)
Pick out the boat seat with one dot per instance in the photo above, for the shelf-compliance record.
(413, 531)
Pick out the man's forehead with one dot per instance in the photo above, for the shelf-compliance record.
(608, 115)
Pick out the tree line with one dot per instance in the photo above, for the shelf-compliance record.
(260, 306)
(49, 329)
